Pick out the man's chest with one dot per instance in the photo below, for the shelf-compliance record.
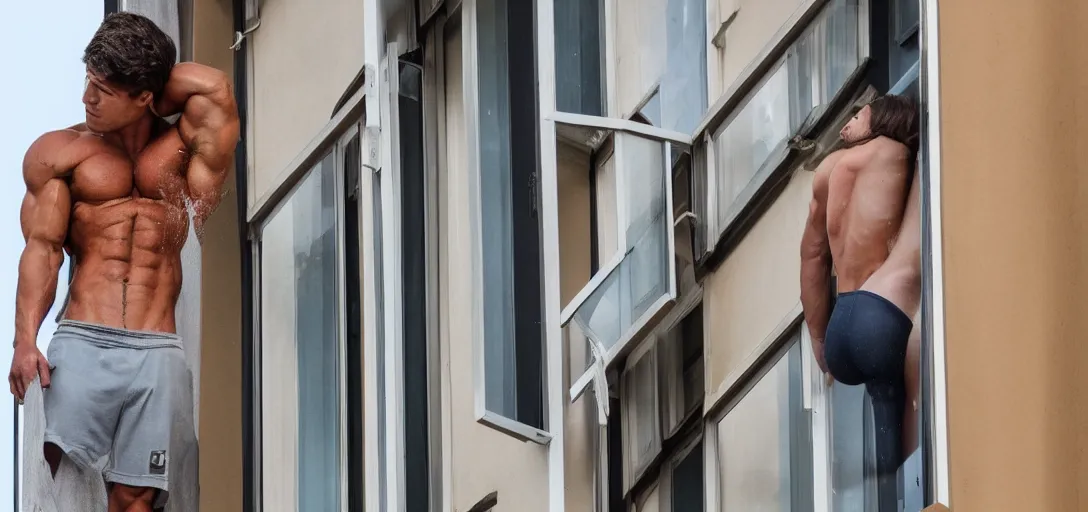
(157, 172)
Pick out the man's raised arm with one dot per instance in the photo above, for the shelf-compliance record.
(816, 262)
(209, 127)
(44, 219)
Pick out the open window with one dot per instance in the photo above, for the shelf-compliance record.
(630, 165)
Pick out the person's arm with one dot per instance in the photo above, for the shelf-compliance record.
(44, 221)
(816, 262)
(209, 127)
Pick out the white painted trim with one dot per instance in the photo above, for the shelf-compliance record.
(733, 379)
(471, 92)
(257, 390)
(579, 386)
(611, 102)
(341, 309)
(446, 384)
(554, 353)
(375, 453)
(930, 78)
(261, 209)
(817, 402)
(622, 125)
(434, 83)
(394, 303)
(371, 400)
(514, 428)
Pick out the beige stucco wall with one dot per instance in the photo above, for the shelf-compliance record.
(756, 22)
(1015, 221)
(220, 303)
(483, 459)
(756, 288)
(575, 235)
(303, 57)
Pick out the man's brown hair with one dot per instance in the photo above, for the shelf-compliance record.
(133, 52)
(894, 117)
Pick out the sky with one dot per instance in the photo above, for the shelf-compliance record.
(41, 44)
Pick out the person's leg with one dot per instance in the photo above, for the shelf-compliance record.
(53, 455)
(887, 398)
(83, 401)
(124, 498)
(154, 426)
(912, 376)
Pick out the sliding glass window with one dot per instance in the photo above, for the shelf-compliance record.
(507, 255)
(301, 356)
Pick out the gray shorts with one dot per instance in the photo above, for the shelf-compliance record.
(119, 401)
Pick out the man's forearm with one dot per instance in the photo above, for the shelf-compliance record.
(815, 295)
(37, 288)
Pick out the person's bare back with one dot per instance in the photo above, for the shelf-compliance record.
(864, 222)
(866, 197)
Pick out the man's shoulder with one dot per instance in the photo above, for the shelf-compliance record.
(59, 151)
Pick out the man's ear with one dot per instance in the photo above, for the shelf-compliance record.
(146, 99)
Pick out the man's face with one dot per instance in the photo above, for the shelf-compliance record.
(858, 126)
(110, 107)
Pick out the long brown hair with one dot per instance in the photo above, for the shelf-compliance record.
(894, 117)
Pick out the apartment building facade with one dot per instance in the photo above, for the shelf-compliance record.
(540, 256)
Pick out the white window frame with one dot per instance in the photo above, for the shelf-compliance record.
(782, 346)
(664, 480)
(570, 309)
(671, 360)
(634, 467)
(661, 346)
(470, 81)
(334, 143)
(739, 95)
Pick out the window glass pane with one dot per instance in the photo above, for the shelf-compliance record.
(300, 359)
(816, 67)
(746, 142)
(684, 83)
(822, 60)
(640, 50)
(641, 278)
(687, 482)
(578, 70)
(496, 208)
(759, 451)
(643, 434)
(607, 212)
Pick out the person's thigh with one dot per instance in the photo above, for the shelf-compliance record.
(85, 396)
(124, 498)
(156, 423)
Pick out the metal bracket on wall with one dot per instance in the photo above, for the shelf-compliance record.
(372, 130)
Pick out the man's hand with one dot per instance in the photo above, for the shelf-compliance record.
(26, 364)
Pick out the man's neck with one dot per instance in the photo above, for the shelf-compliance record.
(136, 136)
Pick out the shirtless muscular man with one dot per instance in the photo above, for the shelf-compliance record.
(115, 192)
(864, 221)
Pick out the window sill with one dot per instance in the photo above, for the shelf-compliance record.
(515, 428)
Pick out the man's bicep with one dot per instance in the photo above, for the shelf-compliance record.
(45, 213)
